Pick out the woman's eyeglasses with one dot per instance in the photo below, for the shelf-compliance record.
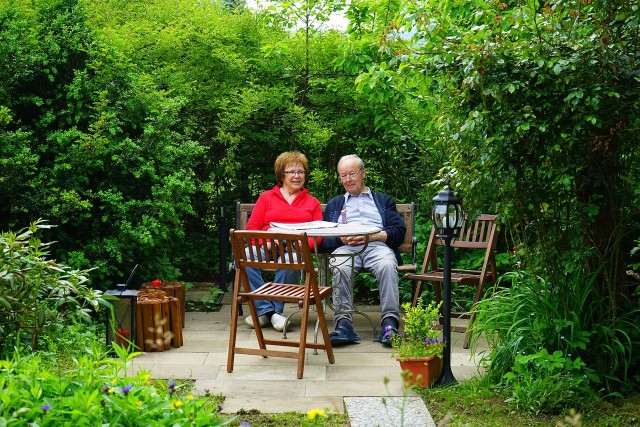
(294, 173)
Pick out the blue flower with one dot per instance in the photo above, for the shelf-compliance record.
(126, 389)
(45, 408)
(245, 424)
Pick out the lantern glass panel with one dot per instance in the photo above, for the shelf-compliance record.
(448, 216)
(121, 327)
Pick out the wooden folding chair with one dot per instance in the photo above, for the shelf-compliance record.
(278, 248)
(479, 234)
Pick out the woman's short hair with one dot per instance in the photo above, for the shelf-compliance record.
(288, 158)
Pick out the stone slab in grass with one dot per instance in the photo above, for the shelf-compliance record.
(394, 411)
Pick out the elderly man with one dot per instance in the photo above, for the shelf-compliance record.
(381, 257)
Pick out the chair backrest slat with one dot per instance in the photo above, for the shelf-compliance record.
(408, 212)
(477, 234)
(283, 247)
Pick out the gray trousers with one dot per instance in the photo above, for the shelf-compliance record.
(379, 260)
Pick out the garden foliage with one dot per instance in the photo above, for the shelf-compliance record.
(133, 125)
(92, 390)
(37, 294)
(421, 332)
(549, 383)
(526, 315)
(537, 106)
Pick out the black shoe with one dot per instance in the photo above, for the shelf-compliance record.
(389, 329)
(344, 334)
(387, 334)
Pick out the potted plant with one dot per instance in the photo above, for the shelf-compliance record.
(418, 349)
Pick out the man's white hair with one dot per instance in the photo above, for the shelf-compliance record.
(350, 157)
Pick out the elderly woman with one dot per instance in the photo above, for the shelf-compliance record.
(287, 202)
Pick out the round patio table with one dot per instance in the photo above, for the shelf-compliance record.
(328, 263)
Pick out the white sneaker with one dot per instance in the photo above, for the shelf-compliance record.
(263, 320)
(279, 322)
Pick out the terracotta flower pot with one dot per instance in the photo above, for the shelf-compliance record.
(421, 371)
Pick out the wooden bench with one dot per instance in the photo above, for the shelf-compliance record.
(408, 246)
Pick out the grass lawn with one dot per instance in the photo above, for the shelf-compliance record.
(470, 404)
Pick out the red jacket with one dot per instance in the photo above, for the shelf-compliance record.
(272, 207)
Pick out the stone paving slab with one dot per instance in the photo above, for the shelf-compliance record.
(269, 397)
(359, 388)
(388, 412)
(190, 372)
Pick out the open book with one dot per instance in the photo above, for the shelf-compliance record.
(303, 225)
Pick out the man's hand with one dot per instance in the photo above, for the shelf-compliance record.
(353, 240)
(381, 236)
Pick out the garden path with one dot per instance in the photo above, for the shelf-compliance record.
(270, 384)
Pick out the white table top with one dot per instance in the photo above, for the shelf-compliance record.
(341, 230)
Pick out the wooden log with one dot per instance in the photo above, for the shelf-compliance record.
(166, 287)
(169, 288)
(158, 331)
(176, 324)
(151, 293)
(147, 325)
(180, 293)
(165, 323)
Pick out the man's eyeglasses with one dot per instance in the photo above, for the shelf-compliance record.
(351, 175)
(293, 173)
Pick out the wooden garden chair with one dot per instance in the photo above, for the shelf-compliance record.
(479, 234)
(309, 293)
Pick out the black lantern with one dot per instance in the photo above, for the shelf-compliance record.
(121, 326)
(448, 218)
(447, 214)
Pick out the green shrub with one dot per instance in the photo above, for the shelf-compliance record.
(38, 294)
(549, 383)
(421, 331)
(534, 314)
(91, 390)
